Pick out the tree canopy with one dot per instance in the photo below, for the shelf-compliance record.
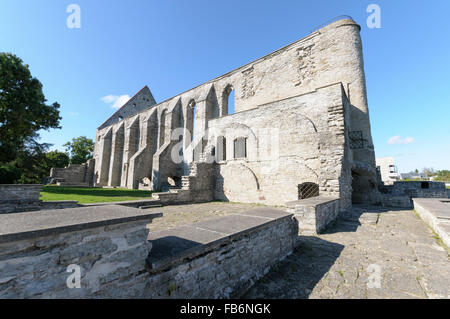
(80, 149)
(23, 108)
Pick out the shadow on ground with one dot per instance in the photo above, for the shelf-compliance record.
(299, 273)
(350, 220)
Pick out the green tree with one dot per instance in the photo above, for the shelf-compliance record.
(443, 176)
(80, 149)
(23, 108)
(57, 159)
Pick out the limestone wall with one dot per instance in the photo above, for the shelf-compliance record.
(330, 55)
(314, 214)
(39, 252)
(37, 268)
(400, 194)
(219, 259)
(73, 174)
(20, 191)
(19, 197)
(301, 145)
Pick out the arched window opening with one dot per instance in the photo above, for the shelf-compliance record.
(162, 134)
(228, 100)
(308, 190)
(192, 113)
(240, 147)
(138, 136)
(231, 98)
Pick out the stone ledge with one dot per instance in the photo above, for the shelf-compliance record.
(312, 202)
(174, 246)
(436, 213)
(21, 226)
(314, 214)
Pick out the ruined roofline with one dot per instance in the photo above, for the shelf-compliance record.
(312, 91)
(144, 89)
(341, 22)
(344, 95)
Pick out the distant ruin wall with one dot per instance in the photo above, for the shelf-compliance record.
(401, 194)
(74, 174)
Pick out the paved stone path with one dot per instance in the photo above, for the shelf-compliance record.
(343, 262)
(411, 261)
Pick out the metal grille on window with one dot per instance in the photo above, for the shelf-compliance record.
(356, 139)
(307, 190)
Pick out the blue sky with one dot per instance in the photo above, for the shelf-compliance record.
(172, 46)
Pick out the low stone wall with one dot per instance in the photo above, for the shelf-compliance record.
(436, 213)
(19, 197)
(400, 194)
(20, 191)
(60, 204)
(80, 175)
(108, 244)
(219, 258)
(396, 201)
(314, 214)
(40, 253)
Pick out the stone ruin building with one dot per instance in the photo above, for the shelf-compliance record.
(299, 137)
(300, 128)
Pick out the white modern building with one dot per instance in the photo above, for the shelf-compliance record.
(387, 169)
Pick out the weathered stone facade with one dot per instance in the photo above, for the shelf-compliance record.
(301, 115)
(80, 175)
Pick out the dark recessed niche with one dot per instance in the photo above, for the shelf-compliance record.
(425, 185)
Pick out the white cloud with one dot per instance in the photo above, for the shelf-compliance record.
(399, 140)
(74, 114)
(116, 101)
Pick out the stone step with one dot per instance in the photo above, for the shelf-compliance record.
(67, 184)
(28, 208)
(151, 206)
(163, 195)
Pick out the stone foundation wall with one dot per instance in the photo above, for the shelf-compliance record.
(314, 214)
(224, 267)
(400, 194)
(110, 247)
(396, 201)
(37, 268)
(19, 197)
(20, 191)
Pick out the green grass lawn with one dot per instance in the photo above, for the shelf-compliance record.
(92, 195)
